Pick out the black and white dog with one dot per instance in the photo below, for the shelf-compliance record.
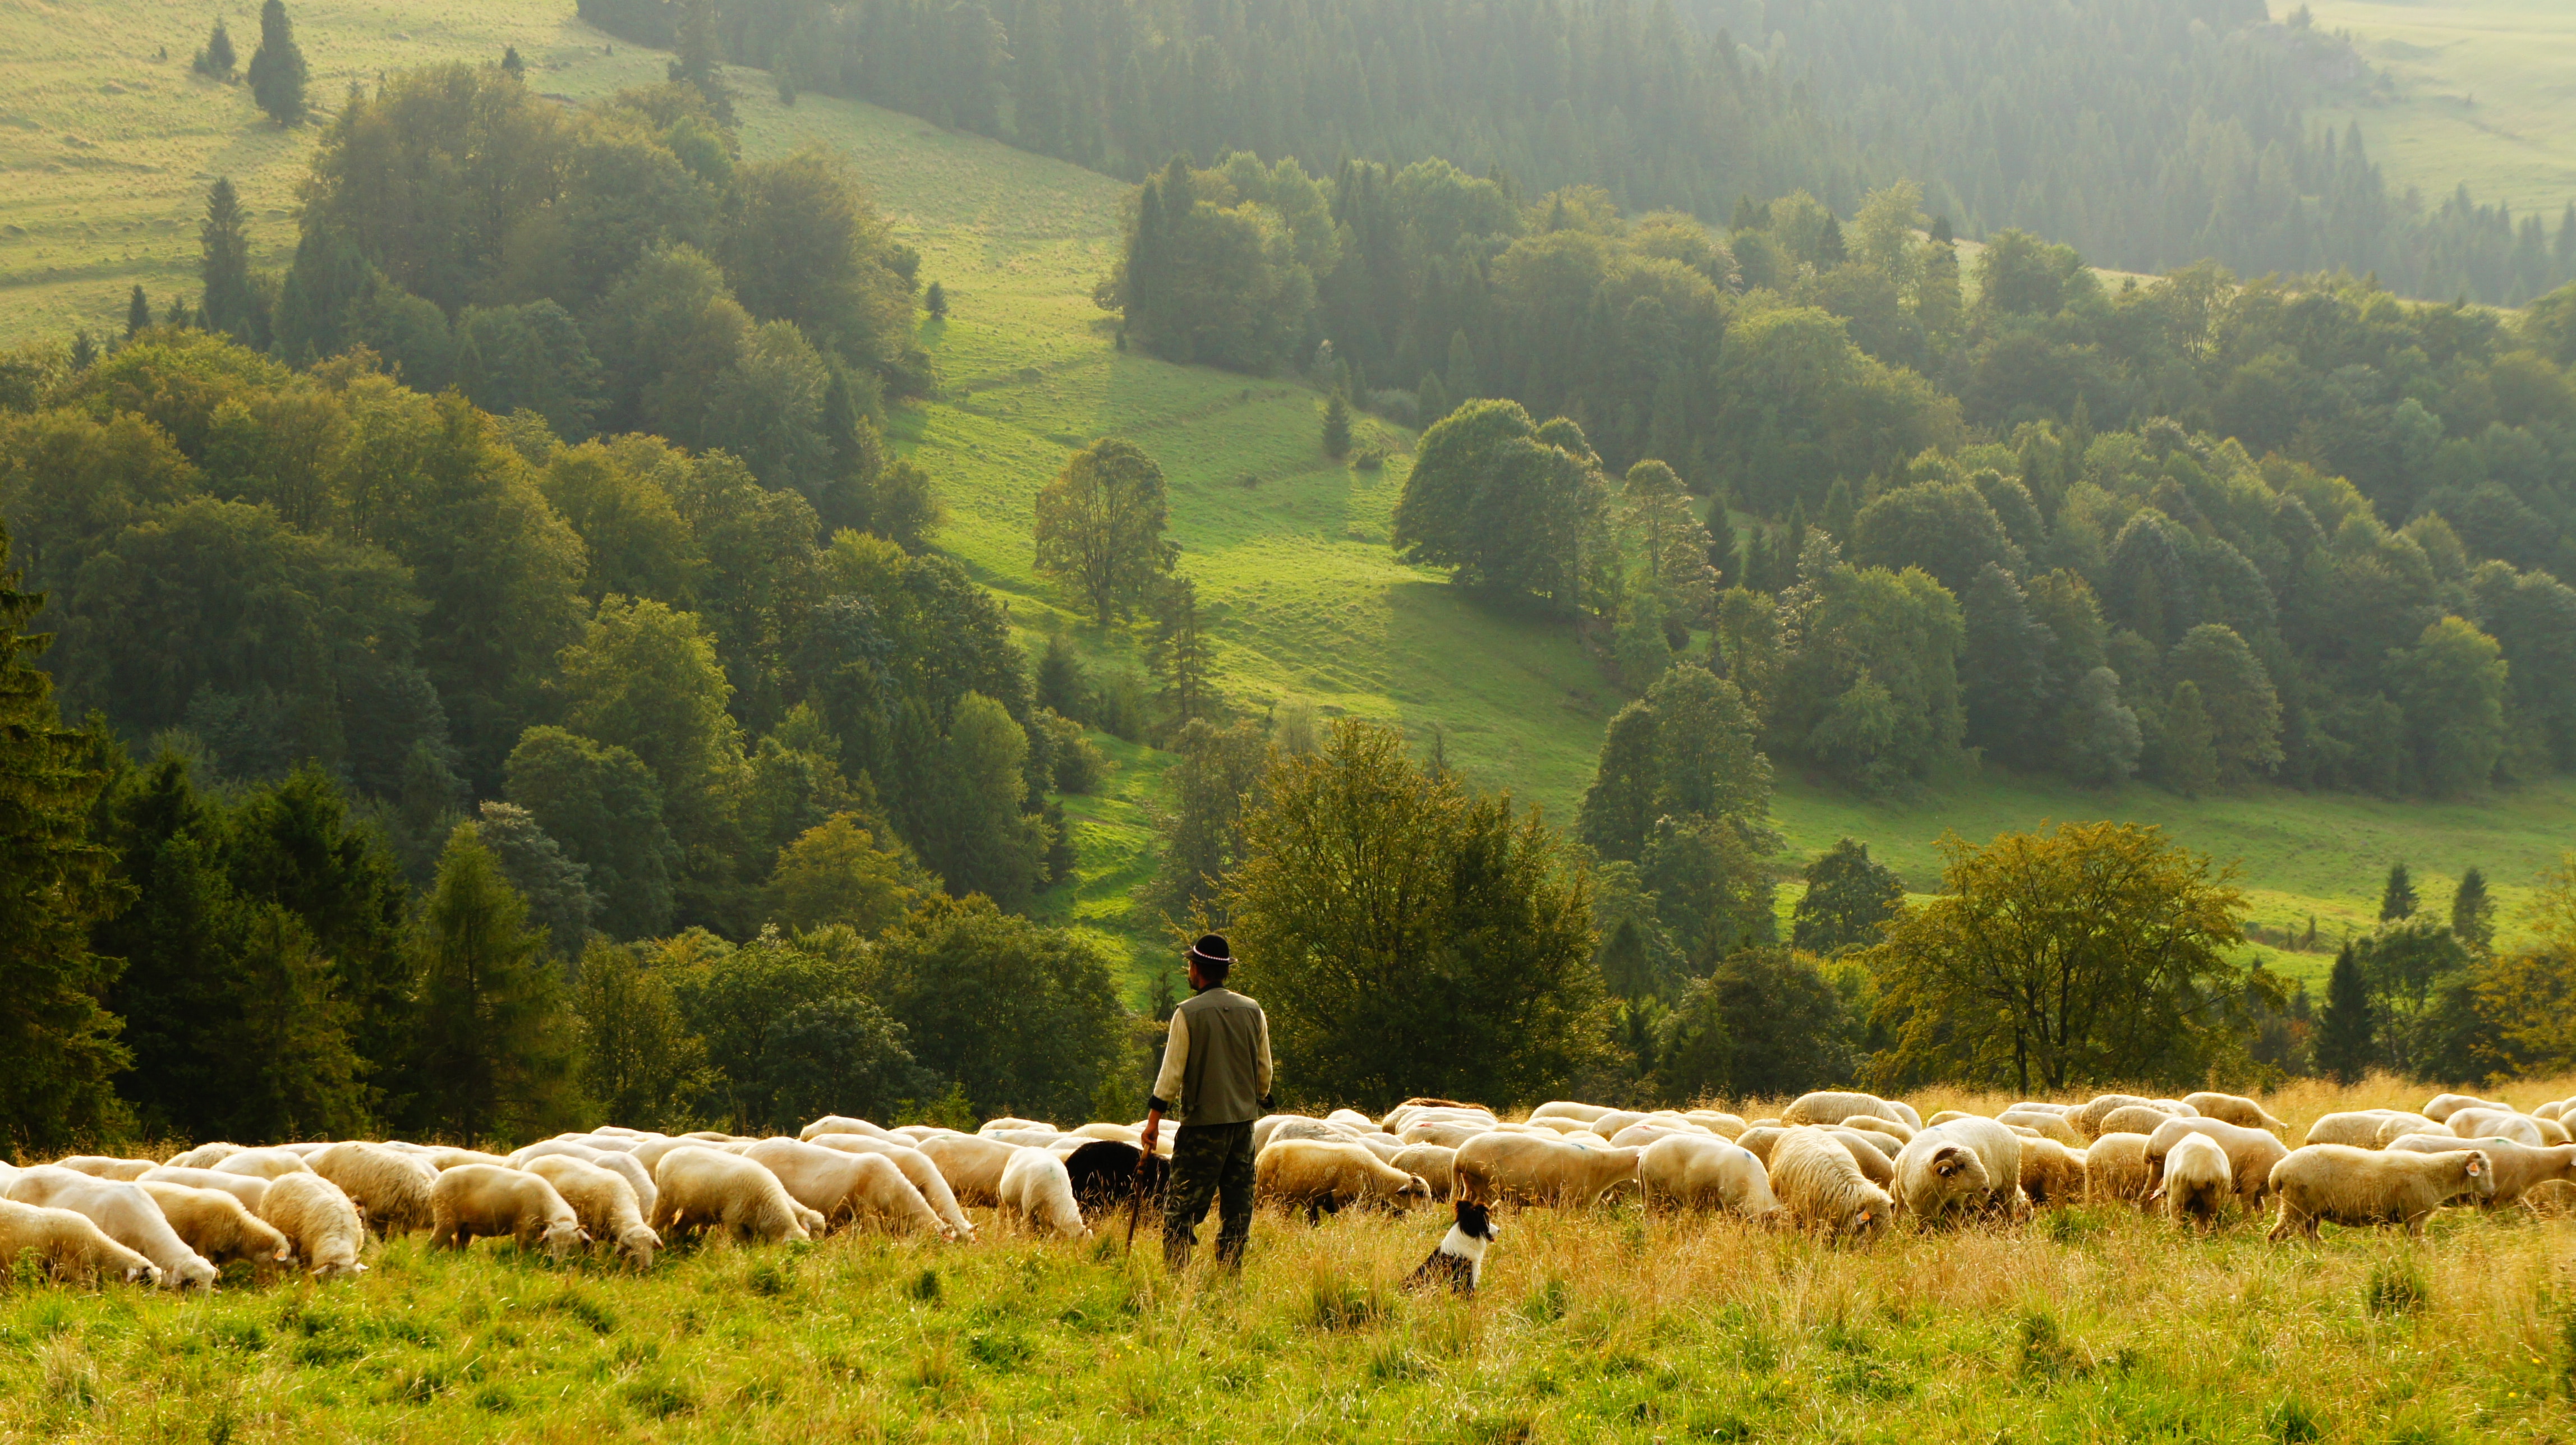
(1460, 1260)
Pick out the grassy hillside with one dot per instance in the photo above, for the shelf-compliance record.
(2483, 92)
(1288, 550)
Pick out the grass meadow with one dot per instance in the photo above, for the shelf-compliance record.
(2482, 95)
(108, 149)
(2089, 1323)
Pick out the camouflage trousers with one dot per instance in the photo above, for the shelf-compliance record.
(1209, 1162)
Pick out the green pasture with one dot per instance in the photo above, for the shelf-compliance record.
(2484, 92)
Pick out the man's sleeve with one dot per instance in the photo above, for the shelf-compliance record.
(1262, 1059)
(1176, 1057)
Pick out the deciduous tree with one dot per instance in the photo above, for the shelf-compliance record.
(1100, 526)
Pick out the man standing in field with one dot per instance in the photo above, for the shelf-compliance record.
(1215, 1081)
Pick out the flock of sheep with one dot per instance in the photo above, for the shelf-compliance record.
(1843, 1164)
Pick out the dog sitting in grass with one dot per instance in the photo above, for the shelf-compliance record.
(1460, 1260)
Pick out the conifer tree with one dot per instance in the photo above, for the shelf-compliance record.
(1840, 511)
(2397, 899)
(2473, 911)
(495, 1040)
(1723, 549)
(935, 301)
(1430, 400)
(84, 353)
(1464, 385)
(1337, 427)
(511, 64)
(2188, 755)
(277, 69)
(217, 59)
(699, 59)
(1179, 651)
(2344, 1028)
(224, 265)
(138, 311)
(1938, 303)
(58, 1044)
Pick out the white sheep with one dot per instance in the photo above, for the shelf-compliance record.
(204, 1156)
(1568, 1109)
(2234, 1109)
(2051, 1173)
(2398, 1125)
(843, 1124)
(444, 1157)
(391, 1187)
(124, 1212)
(2357, 1127)
(487, 1201)
(101, 1166)
(2480, 1123)
(1450, 1133)
(2251, 1152)
(917, 1168)
(2088, 1119)
(261, 1163)
(250, 1191)
(1008, 1124)
(2047, 1124)
(2137, 1119)
(2519, 1168)
(320, 1220)
(2441, 1107)
(620, 1162)
(1872, 1124)
(1971, 1165)
(2115, 1168)
(2359, 1186)
(2197, 1179)
(1354, 1119)
(1817, 1183)
(1717, 1122)
(215, 1225)
(1537, 1170)
(604, 1203)
(71, 1245)
(1704, 1172)
(1832, 1107)
(841, 1185)
(1434, 1164)
(1878, 1165)
(972, 1166)
(1037, 1188)
(709, 1189)
(1325, 1175)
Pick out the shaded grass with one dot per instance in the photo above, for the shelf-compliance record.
(2089, 1324)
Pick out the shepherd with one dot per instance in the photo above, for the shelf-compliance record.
(1215, 1081)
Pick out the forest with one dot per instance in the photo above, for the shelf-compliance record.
(2148, 134)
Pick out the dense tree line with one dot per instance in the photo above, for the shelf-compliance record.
(2149, 134)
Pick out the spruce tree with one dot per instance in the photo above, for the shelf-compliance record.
(1464, 385)
(1723, 550)
(2473, 911)
(2344, 1028)
(177, 313)
(224, 263)
(138, 311)
(2397, 899)
(935, 301)
(217, 59)
(84, 353)
(495, 1040)
(2187, 757)
(1430, 400)
(277, 69)
(58, 1044)
(699, 61)
(1337, 427)
(1839, 511)
(511, 64)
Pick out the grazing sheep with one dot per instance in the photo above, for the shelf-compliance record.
(393, 1189)
(1968, 1165)
(1876, 1164)
(1103, 1172)
(1829, 1107)
(443, 1158)
(1648, 1131)
(2357, 1127)
(2358, 1186)
(2398, 1126)
(1449, 1133)
(100, 1166)
(487, 1201)
(251, 1192)
(1699, 1172)
(2519, 1168)
(1758, 1141)
(261, 1164)
(1537, 1170)
(603, 1202)
(1567, 1109)
(2045, 1124)
(2496, 1124)
(2051, 1173)
(2441, 1107)
(1434, 1164)
(916, 1167)
(1724, 1125)
(705, 1189)
(2197, 1179)
(1007, 1124)
(2041, 1106)
(1817, 1183)
(2251, 1153)
(1305, 1129)
(1872, 1124)
(204, 1156)
(1117, 1133)
(840, 1185)
(320, 1220)
(622, 1163)
(2115, 1168)
(124, 1212)
(1038, 1190)
(215, 1225)
(71, 1245)
(972, 1166)
(2135, 1119)
(2234, 1109)
(842, 1124)
(1355, 1119)
(1324, 1176)
(2088, 1120)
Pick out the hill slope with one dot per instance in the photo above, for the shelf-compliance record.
(1288, 550)
(2481, 96)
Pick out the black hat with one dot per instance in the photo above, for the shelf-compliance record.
(1211, 954)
